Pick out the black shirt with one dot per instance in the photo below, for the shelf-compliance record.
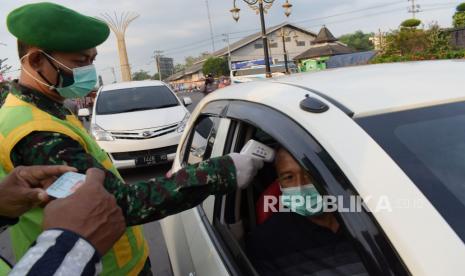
(290, 244)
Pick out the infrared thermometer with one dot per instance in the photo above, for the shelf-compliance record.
(258, 150)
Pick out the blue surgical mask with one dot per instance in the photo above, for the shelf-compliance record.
(85, 79)
(304, 200)
(76, 85)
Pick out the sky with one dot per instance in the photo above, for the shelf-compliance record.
(180, 28)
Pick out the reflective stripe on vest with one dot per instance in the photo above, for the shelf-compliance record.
(17, 120)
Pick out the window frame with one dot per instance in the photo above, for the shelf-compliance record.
(375, 249)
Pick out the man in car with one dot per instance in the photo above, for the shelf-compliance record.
(57, 48)
(304, 241)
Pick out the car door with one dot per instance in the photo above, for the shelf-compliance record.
(188, 241)
(372, 245)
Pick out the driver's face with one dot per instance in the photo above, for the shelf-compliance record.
(290, 173)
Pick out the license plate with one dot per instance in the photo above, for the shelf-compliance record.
(151, 160)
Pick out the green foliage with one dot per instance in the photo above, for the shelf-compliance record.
(358, 41)
(216, 66)
(179, 67)
(141, 75)
(461, 7)
(189, 61)
(459, 19)
(411, 23)
(418, 44)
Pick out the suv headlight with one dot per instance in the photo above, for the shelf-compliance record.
(182, 124)
(100, 134)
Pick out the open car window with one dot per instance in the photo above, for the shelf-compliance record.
(235, 214)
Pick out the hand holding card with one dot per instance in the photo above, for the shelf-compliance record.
(66, 185)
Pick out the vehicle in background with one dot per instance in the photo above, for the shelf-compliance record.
(138, 123)
(258, 73)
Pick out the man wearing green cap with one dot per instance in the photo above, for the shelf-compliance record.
(56, 46)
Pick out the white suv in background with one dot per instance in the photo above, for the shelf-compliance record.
(139, 123)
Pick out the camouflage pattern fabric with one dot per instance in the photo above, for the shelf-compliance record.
(141, 202)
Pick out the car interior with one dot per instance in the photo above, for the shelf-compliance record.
(237, 214)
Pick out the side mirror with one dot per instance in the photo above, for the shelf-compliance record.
(83, 112)
(187, 101)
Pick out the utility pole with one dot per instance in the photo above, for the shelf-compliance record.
(226, 39)
(414, 8)
(114, 74)
(157, 54)
(283, 36)
(211, 25)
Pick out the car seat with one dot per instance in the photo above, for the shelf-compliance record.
(271, 190)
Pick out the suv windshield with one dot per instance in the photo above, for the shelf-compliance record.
(135, 99)
(429, 145)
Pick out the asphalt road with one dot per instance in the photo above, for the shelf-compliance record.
(158, 252)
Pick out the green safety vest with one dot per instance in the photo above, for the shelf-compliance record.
(17, 120)
(4, 268)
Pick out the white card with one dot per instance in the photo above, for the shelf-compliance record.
(67, 184)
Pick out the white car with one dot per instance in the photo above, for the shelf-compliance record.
(138, 123)
(390, 131)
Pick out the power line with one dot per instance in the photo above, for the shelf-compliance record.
(194, 45)
(350, 12)
(414, 8)
(299, 21)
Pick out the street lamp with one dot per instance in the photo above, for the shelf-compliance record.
(262, 7)
(287, 8)
(283, 36)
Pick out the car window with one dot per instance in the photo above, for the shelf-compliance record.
(135, 99)
(435, 162)
(207, 140)
(202, 139)
(236, 215)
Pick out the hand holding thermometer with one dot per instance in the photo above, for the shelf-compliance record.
(258, 150)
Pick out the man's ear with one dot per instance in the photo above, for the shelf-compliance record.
(36, 60)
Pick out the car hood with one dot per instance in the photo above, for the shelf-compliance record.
(141, 119)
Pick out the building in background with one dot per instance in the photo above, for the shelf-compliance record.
(458, 37)
(166, 66)
(323, 47)
(250, 48)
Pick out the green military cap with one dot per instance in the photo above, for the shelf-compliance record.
(56, 28)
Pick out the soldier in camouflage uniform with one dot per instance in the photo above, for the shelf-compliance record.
(53, 59)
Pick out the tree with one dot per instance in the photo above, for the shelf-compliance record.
(216, 66)
(459, 16)
(358, 41)
(179, 67)
(141, 75)
(408, 44)
(190, 60)
(411, 23)
(3, 67)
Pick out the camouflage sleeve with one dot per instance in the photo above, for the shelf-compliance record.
(161, 197)
(143, 201)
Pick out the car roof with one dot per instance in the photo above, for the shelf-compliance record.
(132, 84)
(381, 88)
